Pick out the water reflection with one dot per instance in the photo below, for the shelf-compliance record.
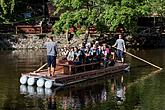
(81, 95)
(120, 90)
(51, 102)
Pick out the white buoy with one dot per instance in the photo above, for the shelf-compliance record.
(48, 84)
(40, 91)
(31, 81)
(23, 89)
(40, 82)
(23, 79)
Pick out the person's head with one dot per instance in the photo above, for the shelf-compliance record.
(75, 49)
(94, 46)
(120, 36)
(87, 48)
(65, 47)
(97, 43)
(50, 38)
(99, 47)
(105, 45)
(72, 49)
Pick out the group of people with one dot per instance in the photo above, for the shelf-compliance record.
(89, 53)
(85, 53)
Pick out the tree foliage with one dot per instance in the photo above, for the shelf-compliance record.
(6, 8)
(104, 14)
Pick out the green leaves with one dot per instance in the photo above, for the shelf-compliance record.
(105, 14)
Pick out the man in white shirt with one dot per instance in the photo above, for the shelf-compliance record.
(120, 45)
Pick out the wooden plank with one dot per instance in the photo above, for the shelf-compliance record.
(32, 29)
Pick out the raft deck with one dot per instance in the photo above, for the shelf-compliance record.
(67, 74)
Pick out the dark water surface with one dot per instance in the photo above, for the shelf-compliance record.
(140, 89)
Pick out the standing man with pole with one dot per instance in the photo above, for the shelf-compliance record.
(120, 46)
(51, 48)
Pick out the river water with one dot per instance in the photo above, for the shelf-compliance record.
(142, 88)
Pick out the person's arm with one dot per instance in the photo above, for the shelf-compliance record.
(124, 46)
(68, 57)
(56, 50)
(115, 44)
(72, 57)
(46, 42)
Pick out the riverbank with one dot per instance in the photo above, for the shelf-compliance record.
(36, 41)
(30, 41)
(9, 41)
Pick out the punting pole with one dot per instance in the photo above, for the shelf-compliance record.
(142, 60)
(41, 67)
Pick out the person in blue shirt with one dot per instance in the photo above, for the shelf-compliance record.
(51, 48)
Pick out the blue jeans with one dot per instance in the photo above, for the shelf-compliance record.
(119, 54)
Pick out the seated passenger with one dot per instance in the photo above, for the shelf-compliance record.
(99, 53)
(105, 56)
(71, 56)
(82, 53)
(93, 53)
(87, 55)
(64, 52)
(111, 61)
(77, 54)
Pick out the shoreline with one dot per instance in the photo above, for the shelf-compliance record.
(35, 41)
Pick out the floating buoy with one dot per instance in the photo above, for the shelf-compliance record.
(40, 82)
(40, 91)
(23, 89)
(23, 79)
(48, 84)
(31, 81)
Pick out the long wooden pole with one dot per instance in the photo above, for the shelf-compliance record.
(40, 68)
(142, 60)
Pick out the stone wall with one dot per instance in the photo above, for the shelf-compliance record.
(8, 41)
(31, 41)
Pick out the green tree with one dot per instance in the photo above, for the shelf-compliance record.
(104, 14)
(6, 8)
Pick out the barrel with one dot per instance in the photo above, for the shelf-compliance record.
(23, 79)
(31, 81)
(40, 82)
(48, 84)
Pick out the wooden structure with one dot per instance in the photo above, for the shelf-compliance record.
(29, 29)
(67, 74)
